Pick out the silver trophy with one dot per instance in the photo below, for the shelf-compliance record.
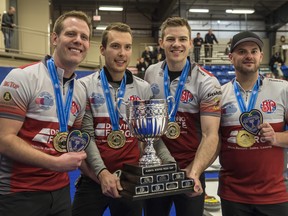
(147, 121)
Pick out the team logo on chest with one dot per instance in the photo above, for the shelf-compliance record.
(75, 108)
(268, 106)
(134, 98)
(228, 109)
(155, 88)
(186, 96)
(45, 100)
(96, 100)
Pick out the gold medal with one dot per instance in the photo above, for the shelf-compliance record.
(173, 130)
(116, 139)
(245, 139)
(60, 142)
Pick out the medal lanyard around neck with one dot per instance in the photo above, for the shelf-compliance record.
(179, 89)
(113, 113)
(63, 111)
(253, 98)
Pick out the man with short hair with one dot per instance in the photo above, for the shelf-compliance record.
(40, 104)
(253, 157)
(192, 134)
(112, 143)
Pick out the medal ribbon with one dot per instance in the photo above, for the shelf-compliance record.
(63, 111)
(179, 89)
(113, 112)
(253, 98)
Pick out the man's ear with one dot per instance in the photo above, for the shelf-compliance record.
(160, 41)
(54, 38)
(102, 49)
(230, 56)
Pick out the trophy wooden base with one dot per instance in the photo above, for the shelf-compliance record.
(153, 181)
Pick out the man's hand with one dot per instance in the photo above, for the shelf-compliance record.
(110, 184)
(268, 134)
(69, 161)
(197, 189)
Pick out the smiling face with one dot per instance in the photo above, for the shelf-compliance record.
(117, 53)
(176, 43)
(71, 44)
(246, 58)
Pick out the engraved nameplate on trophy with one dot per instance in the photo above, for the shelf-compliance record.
(147, 170)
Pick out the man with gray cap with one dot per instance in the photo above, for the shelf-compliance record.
(253, 179)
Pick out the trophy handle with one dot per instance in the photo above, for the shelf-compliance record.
(174, 104)
(120, 100)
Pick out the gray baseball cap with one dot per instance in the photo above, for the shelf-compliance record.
(246, 36)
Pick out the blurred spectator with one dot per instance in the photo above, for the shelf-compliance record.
(7, 27)
(209, 41)
(147, 55)
(197, 42)
(227, 49)
(283, 47)
(277, 72)
(275, 65)
(158, 54)
(141, 67)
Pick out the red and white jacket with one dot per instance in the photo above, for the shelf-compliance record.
(28, 96)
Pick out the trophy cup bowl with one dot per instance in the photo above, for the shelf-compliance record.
(147, 121)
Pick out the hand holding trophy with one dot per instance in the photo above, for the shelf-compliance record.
(148, 121)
